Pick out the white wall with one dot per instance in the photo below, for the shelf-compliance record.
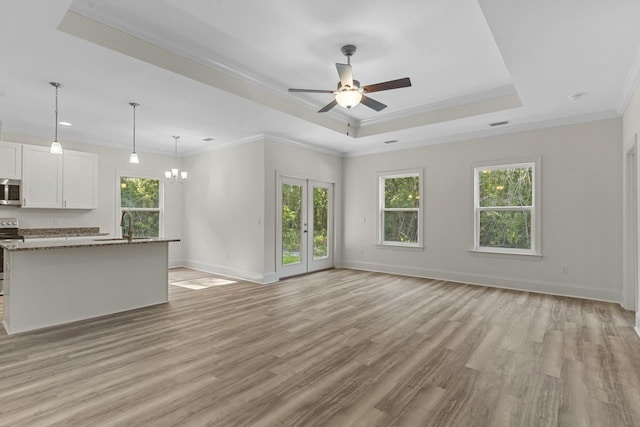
(110, 160)
(224, 211)
(631, 137)
(230, 205)
(581, 212)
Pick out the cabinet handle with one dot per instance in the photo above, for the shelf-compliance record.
(24, 201)
(65, 203)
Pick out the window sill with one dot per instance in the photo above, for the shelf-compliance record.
(499, 254)
(401, 247)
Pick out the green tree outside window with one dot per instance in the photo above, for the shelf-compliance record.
(141, 198)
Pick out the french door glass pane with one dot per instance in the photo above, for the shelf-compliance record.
(505, 229)
(291, 224)
(320, 222)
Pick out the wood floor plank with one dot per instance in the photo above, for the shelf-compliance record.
(334, 348)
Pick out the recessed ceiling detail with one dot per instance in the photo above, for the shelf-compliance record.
(211, 65)
(112, 38)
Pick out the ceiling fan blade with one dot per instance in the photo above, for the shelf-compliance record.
(328, 107)
(311, 90)
(346, 74)
(372, 103)
(391, 84)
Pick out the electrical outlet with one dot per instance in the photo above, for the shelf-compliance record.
(564, 269)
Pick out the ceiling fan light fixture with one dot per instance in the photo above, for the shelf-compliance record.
(348, 98)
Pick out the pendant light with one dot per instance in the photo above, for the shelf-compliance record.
(172, 175)
(133, 158)
(56, 147)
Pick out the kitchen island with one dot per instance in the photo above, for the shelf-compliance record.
(55, 282)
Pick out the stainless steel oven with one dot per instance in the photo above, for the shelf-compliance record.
(9, 231)
(10, 192)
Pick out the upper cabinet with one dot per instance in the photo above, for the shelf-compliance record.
(10, 160)
(41, 178)
(79, 180)
(67, 181)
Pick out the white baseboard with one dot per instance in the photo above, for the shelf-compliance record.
(536, 286)
(175, 263)
(249, 276)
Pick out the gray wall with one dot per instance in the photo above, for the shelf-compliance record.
(581, 212)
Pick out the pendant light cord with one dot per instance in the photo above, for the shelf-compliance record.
(134, 128)
(134, 105)
(56, 134)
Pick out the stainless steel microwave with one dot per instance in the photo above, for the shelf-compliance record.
(10, 192)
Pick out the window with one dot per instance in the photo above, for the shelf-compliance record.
(506, 208)
(400, 213)
(142, 198)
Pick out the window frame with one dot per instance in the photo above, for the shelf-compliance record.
(119, 209)
(534, 209)
(405, 173)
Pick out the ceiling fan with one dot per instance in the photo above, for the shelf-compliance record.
(349, 92)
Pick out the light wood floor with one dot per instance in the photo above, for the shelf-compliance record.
(335, 348)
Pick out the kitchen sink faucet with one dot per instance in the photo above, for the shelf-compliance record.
(129, 234)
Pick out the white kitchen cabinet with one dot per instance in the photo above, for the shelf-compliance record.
(41, 178)
(79, 180)
(10, 160)
(67, 181)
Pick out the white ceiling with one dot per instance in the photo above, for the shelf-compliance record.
(221, 69)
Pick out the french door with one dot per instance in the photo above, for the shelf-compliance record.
(305, 226)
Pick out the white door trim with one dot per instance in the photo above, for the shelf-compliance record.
(307, 263)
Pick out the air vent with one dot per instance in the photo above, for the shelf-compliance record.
(208, 139)
(499, 123)
(391, 141)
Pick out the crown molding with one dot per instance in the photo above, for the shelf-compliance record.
(483, 133)
(302, 145)
(452, 112)
(223, 145)
(631, 82)
(441, 105)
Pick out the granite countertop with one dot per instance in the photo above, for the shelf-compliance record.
(33, 233)
(16, 245)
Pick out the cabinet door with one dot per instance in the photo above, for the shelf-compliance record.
(10, 160)
(80, 180)
(41, 178)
